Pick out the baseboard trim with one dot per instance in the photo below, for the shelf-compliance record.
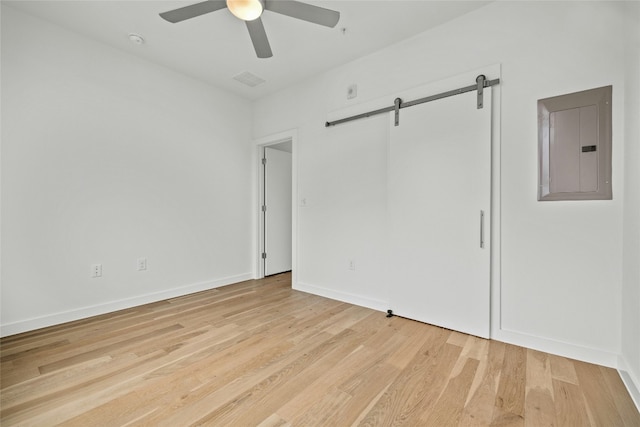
(630, 381)
(572, 351)
(111, 306)
(354, 299)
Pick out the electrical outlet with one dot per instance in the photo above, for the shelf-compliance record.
(96, 270)
(352, 265)
(141, 264)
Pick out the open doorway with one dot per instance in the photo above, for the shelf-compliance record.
(284, 145)
(277, 208)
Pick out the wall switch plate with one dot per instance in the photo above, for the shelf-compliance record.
(96, 270)
(141, 264)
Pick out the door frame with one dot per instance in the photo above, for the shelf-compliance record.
(258, 145)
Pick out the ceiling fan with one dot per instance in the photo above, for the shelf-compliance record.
(250, 11)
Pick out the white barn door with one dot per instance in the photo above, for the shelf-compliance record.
(439, 214)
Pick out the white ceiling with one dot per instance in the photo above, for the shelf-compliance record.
(215, 47)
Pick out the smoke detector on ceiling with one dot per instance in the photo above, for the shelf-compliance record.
(136, 38)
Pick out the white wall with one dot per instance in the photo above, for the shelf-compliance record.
(558, 275)
(107, 158)
(343, 220)
(630, 363)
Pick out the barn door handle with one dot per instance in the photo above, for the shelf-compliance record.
(482, 229)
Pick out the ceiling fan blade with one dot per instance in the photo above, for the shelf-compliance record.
(259, 38)
(193, 10)
(304, 11)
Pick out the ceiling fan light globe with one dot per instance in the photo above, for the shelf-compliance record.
(247, 10)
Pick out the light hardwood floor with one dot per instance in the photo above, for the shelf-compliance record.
(260, 354)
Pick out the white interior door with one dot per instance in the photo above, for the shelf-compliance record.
(439, 205)
(277, 224)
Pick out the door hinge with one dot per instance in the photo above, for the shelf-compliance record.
(264, 255)
(264, 160)
(264, 208)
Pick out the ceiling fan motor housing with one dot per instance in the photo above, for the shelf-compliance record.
(247, 10)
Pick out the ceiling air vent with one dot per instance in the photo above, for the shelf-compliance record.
(248, 79)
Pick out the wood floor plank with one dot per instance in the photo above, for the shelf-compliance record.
(42, 385)
(232, 384)
(364, 389)
(480, 404)
(19, 353)
(110, 349)
(260, 353)
(406, 351)
(322, 411)
(474, 348)
(159, 385)
(118, 377)
(57, 407)
(458, 338)
(448, 409)
(11, 375)
(301, 402)
(539, 406)
(358, 369)
(348, 318)
(562, 369)
(601, 405)
(269, 394)
(89, 342)
(419, 385)
(510, 398)
(569, 404)
(623, 402)
(225, 372)
(274, 420)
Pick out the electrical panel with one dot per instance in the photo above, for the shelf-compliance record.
(574, 146)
